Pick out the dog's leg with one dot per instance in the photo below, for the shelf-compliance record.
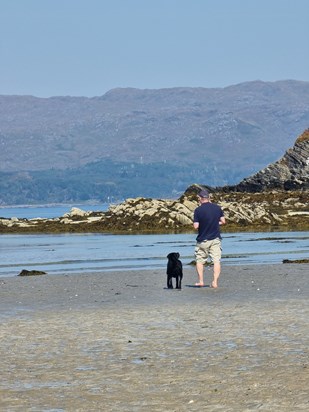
(169, 282)
(179, 283)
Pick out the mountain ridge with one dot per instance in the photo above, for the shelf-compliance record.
(218, 135)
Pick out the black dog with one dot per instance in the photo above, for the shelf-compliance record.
(174, 270)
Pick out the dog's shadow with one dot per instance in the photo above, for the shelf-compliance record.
(172, 289)
(191, 286)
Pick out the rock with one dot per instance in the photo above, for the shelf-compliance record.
(75, 211)
(291, 172)
(295, 261)
(25, 272)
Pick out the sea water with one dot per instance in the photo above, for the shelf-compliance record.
(47, 212)
(80, 253)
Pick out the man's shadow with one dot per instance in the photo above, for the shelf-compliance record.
(198, 287)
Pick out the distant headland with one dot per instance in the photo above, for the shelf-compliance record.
(276, 198)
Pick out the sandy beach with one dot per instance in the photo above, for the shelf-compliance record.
(123, 342)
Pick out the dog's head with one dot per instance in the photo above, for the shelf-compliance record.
(173, 256)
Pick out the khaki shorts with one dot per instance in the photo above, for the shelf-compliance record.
(207, 248)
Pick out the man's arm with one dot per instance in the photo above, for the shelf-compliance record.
(222, 220)
(196, 225)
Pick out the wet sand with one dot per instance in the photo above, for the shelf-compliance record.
(123, 342)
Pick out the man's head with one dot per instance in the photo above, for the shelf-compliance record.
(204, 194)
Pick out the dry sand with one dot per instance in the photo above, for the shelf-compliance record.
(122, 342)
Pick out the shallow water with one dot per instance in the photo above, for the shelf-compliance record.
(76, 253)
(46, 212)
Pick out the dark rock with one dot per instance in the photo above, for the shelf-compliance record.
(291, 172)
(295, 261)
(25, 272)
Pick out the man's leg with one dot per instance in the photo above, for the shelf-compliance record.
(200, 273)
(200, 258)
(217, 270)
(215, 253)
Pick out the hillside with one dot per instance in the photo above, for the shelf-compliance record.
(112, 145)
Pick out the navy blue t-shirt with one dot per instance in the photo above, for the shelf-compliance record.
(208, 216)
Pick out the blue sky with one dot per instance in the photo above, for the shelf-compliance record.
(87, 47)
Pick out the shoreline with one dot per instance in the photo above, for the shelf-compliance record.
(122, 341)
(240, 282)
(56, 228)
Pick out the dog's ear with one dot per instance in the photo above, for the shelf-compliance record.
(177, 255)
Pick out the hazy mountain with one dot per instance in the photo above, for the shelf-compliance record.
(215, 136)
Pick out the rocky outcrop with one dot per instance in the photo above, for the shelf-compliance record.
(133, 215)
(271, 210)
(291, 172)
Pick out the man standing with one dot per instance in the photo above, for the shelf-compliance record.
(207, 220)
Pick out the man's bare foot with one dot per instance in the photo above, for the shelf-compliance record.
(200, 284)
(214, 284)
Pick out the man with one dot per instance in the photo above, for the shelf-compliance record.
(207, 220)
